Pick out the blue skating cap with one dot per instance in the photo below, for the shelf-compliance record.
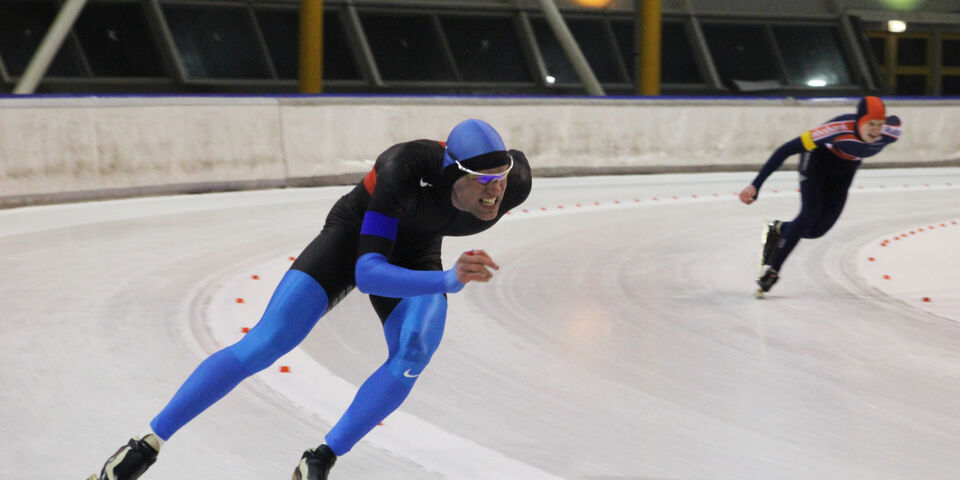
(476, 145)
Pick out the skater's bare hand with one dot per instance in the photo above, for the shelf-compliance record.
(475, 265)
(748, 195)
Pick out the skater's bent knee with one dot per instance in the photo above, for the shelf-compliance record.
(412, 358)
(259, 349)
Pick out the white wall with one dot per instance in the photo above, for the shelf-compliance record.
(69, 148)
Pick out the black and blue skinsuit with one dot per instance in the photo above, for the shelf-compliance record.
(830, 155)
(385, 238)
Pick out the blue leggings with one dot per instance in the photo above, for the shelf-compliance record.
(413, 331)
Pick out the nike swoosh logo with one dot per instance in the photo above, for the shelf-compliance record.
(425, 184)
(410, 375)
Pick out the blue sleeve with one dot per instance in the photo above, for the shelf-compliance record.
(780, 155)
(376, 276)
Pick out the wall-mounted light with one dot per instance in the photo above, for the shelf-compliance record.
(593, 3)
(896, 26)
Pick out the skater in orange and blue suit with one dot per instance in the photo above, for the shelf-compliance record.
(830, 155)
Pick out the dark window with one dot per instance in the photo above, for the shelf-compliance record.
(117, 41)
(950, 84)
(406, 47)
(281, 29)
(911, 51)
(623, 32)
(879, 47)
(595, 43)
(951, 53)
(676, 55)
(812, 55)
(911, 84)
(22, 27)
(486, 49)
(741, 52)
(216, 42)
(554, 58)
(677, 64)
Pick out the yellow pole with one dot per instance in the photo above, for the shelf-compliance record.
(311, 46)
(648, 68)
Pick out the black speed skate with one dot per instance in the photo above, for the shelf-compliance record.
(766, 280)
(131, 460)
(769, 242)
(315, 464)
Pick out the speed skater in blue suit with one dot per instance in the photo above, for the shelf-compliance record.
(830, 155)
(384, 237)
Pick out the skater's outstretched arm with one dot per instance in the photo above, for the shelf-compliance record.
(749, 194)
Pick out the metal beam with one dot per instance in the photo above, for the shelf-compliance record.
(311, 46)
(849, 38)
(649, 30)
(571, 48)
(49, 47)
(361, 47)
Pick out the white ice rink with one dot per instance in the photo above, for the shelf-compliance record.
(619, 341)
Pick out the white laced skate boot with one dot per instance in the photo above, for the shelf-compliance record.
(131, 460)
(315, 464)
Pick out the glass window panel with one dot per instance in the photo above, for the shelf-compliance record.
(22, 27)
(951, 53)
(596, 45)
(911, 51)
(486, 49)
(406, 47)
(879, 47)
(950, 85)
(216, 42)
(741, 52)
(554, 59)
(623, 32)
(117, 41)
(281, 29)
(812, 55)
(677, 64)
(911, 84)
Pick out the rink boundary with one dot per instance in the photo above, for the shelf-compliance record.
(349, 179)
(62, 149)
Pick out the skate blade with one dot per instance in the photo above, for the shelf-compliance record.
(759, 294)
(763, 243)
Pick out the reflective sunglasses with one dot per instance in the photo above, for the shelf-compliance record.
(483, 178)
